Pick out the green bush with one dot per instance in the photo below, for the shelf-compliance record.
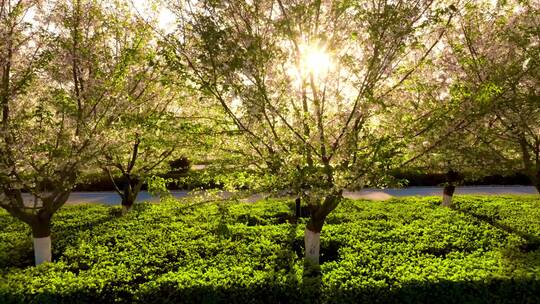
(407, 250)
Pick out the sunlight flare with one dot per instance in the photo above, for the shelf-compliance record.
(315, 60)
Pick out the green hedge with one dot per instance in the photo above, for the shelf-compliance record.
(400, 251)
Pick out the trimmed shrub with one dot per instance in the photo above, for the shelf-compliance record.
(403, 250)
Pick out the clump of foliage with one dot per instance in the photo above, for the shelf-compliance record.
(403, 250)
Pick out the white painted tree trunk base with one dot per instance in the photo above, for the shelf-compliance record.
(447, 200)
(312, 242)
(126, 209)
(42, 250)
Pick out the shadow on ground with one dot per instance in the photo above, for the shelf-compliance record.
(492, 291)
(532, 242)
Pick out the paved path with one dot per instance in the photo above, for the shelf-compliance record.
(111, 198)
(381, 194)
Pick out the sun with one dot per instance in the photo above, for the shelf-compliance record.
(315, 60)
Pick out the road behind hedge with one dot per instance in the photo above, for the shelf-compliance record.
(112, 198)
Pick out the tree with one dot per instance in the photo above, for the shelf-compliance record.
(75, 72)
(502, 58)
(23, 54)
(143, 139)
(476, 98)
(139, 153)
(307, 84)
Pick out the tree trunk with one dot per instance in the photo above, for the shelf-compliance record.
(312, 236)
(297, 209)
(41, 232)
(131, 191)
(312, 233)
(42, 250)
(312, 242)
(535, 179)
(128, 200)
(448, 193)
(40, 221)
(126, 208)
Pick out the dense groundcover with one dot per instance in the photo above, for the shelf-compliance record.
(407, 250)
